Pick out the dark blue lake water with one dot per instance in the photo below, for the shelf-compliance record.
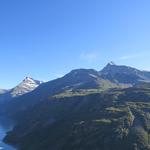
(5, 126)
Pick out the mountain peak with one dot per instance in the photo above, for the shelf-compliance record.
(111, 63)
(28, 78)
(109, 67)
(124, 74)
(27, 85)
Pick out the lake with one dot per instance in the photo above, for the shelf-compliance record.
(5, 126)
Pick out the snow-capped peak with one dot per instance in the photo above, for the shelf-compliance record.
(27, 85)
(28, 78)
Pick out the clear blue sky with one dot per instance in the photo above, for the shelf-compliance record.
(45, 39)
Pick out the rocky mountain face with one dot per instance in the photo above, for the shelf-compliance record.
(124, 74)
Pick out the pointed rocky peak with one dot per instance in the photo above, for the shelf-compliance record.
(31, 80)
(27, 85)
(124, 74)
(111, 66)
(111, 63)
(28, 78)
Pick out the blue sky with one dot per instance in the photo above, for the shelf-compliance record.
(45, 39)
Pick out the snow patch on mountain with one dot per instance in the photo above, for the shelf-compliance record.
(27, 85)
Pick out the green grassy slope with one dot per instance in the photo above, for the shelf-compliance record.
(110, 120)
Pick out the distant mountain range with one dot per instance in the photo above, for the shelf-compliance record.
(31, 91)
(85, 109)
(110, 76)
(2, 91)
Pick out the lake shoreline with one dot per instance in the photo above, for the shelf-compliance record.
(6, 125)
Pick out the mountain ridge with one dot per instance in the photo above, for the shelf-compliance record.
(85, 109)
(112, 76)
(124, 74)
